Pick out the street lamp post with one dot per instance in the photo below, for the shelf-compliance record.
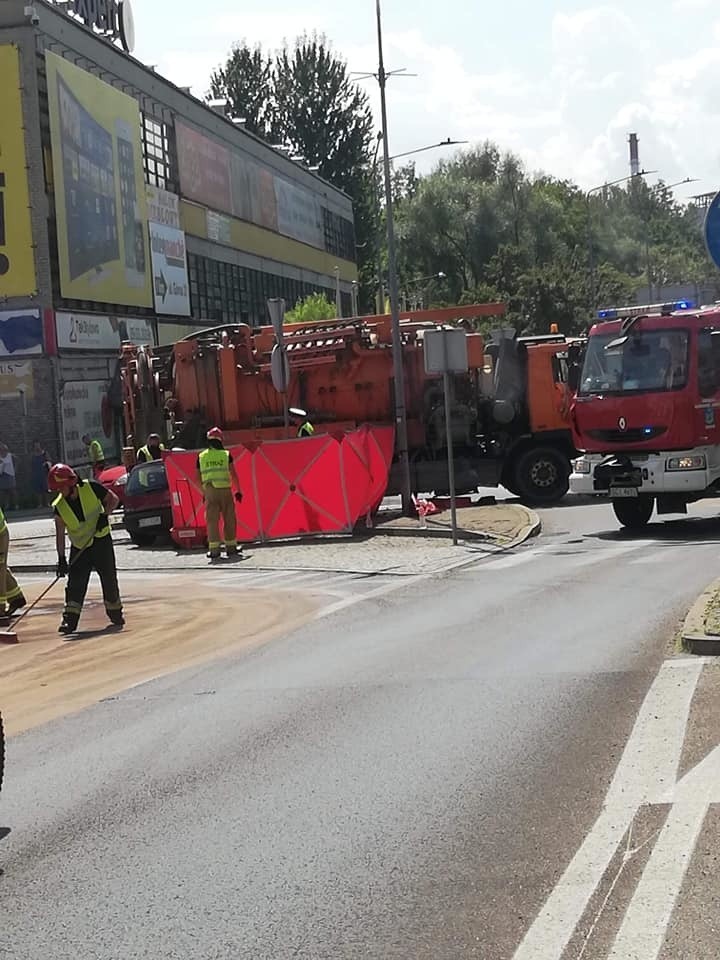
(399, 372)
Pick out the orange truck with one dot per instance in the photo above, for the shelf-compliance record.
(509, 412)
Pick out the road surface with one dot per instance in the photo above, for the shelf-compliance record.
(409, 777)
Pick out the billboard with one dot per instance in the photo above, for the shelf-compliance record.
(21, 332)
(169, 267)
(16, 379)
(17, 261)
(100, 203)
(86, 408)
(225, 180)
(83, 331)
(162, 206)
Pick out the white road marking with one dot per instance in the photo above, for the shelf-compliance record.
(647, 768)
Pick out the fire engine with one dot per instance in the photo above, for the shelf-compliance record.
(646, 410)
(509, 412)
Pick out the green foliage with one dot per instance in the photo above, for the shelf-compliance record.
(315, 308)
(500, 234)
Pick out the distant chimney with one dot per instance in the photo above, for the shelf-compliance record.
(634, 156)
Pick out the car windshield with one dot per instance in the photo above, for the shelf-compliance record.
(147, 478)
(653, 360)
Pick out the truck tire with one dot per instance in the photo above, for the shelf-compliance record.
(634, 512)
(542, 475)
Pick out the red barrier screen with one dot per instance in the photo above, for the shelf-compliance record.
(291, 488)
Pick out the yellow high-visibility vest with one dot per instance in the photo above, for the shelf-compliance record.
(82, 532)
(3, 524)
(146, 452)
(215, 468)
(306, 430)
(95, 451)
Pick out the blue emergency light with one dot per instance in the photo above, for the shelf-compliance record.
(615, 313)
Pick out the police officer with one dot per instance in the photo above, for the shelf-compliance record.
(300, 418)
(96, 454)
(152, 450)
(11, 596)
(216, 473)
(83, 508)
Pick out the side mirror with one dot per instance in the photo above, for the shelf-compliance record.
(573, 377)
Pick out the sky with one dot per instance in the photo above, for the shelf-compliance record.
(560, 84)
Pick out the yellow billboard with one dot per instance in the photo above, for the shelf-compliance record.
(17, 260)
(100, 204)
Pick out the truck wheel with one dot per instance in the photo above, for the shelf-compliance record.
(634, 512)
(542, 475)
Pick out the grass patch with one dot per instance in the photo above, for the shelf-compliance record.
(712, 615)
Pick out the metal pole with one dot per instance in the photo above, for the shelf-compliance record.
(399, 373)
(451, 457)
(338, 297)
(591, 259)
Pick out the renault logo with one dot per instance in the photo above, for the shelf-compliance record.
(622, 423)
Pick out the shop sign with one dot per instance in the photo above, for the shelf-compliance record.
(82, 331)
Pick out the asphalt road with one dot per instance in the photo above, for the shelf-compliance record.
(405, 779)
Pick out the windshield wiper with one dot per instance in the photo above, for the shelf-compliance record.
(626, 327)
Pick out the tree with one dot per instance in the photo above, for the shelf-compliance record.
(315, 308)
(246, 81)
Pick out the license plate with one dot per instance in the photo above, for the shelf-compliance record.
(623, 492)
(150, 522)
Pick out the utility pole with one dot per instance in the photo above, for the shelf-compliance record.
(398, 367)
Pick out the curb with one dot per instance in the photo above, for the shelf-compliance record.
(694, 638)
(531, 528)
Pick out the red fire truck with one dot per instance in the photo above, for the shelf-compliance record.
(646, 410)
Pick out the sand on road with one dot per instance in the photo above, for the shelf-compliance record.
(171, 623)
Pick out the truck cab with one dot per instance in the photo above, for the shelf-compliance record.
(646, 409)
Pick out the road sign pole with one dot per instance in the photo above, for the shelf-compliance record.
(451, 458)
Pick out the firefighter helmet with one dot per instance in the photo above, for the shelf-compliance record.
(60, 476)
(215, 433)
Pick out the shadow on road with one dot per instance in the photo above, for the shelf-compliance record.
(688, 531)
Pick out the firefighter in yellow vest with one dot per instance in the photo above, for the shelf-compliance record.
(11, 596)
(82, 509)
(96, 454)
(301, 421)
(216, 473)
(153, 449)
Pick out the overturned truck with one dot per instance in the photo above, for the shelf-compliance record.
(509, 412)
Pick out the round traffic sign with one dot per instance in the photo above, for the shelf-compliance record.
(712, 230)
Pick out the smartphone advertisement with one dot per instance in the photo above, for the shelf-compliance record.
(100, 203)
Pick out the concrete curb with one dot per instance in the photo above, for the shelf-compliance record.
(694, 637)
(531, 528)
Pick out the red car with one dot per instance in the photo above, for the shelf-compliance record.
(146, 502)
(115, 478)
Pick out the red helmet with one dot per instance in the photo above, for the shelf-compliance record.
(61, 476)
(215, 433)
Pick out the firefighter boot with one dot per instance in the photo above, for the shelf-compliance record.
(116, 618)
(69, 623)
(16, 604)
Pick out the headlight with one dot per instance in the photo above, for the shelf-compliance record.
(121, 481)
(686, 463)
(582, 466)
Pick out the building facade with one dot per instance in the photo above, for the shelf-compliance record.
(129, 209)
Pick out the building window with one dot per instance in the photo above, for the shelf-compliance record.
(339, 235)
(156, 152)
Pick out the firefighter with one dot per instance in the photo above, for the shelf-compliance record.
(83, 508)
(216, 473)
(96, 454)
(11, 596)
(152, 450)
(300, 419)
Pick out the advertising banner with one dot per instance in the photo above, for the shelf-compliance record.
(100, 203)
(162, 206)
(17, 261)
(170, 275)
(204, 168)
(219, 228)
(82, 331)
(86, 408)
(16, 378)
(299, 214)
(21, 332)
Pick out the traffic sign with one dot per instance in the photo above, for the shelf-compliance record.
(276, 309)
(279, 368)
(445, 351)
(712, 230)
